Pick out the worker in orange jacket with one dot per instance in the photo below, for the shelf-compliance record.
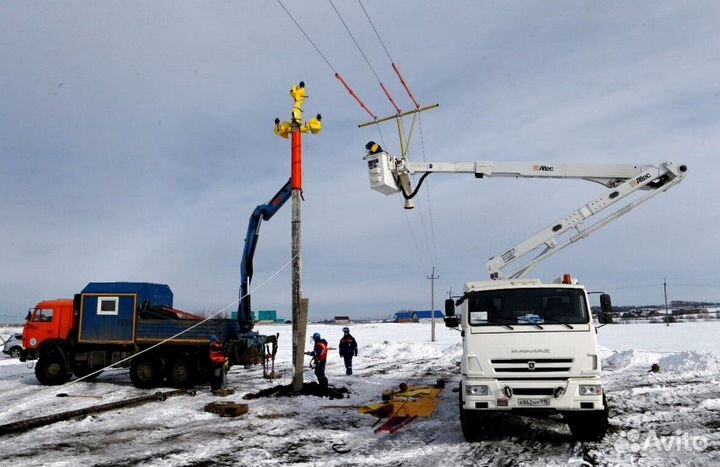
(319, 355)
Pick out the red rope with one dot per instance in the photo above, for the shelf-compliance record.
(417, 106)
(397, 109)
(337, 75)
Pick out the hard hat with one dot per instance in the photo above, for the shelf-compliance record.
(346, 329)
(316, 336)
(213, 338)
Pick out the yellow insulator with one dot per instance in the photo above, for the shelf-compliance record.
(315, 125)
(298, 93)
(282, 129)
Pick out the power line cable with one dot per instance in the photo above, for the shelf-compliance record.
(337, 74)
(352, 36)
(376, 31)
(392, 62)
(317, 49)
(427, 191)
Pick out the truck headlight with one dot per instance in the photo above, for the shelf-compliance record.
(590, 389)
(481, 390)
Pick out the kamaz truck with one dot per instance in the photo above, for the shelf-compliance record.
(133, 325)
(530, 347)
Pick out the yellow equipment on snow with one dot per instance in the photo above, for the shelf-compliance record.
(404, 406)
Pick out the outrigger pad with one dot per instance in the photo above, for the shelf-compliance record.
(227, 409)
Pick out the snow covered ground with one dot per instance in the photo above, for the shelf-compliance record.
(669, 418)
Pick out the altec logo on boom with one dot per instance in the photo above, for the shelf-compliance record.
(543, 168)
(640, 179)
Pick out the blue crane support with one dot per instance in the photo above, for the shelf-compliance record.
(263, 212)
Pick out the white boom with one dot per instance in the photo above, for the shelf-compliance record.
(390, 175)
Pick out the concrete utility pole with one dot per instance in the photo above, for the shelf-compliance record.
(432, 278)
(667, 316)
(295, 127)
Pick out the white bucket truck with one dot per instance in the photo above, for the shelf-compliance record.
(531, 347)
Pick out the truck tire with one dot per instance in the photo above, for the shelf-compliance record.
(146, 372)
(51, 369)
(589, 426)
(15, 352)
(471, 422)
(181, 374)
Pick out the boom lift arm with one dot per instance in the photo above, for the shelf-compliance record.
(263, 212)
(390, 175)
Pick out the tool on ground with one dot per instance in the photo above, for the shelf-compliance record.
(403, 405)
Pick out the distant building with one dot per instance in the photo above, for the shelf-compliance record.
(342, 320)
(402, 317)
(426, 315)
(267, 316)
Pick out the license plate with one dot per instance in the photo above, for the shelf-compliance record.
(533, 402)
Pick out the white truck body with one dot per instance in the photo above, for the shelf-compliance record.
(537, 368)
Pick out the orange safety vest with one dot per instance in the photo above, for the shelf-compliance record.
(217, 353)
(320, 351)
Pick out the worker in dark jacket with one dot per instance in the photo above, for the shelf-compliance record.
(219, 363)
(348, 349)
(319, 355)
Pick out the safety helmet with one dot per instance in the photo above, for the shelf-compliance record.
(316, 336)
(213, 338)
(346, 329)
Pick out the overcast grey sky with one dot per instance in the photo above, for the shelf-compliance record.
(136, 139)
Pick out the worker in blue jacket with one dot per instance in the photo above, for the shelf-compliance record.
(348, 349)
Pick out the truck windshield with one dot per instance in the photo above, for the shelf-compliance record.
(42, 315)
(531, 306)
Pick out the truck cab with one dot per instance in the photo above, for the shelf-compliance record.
(529, 348)
(48, 321)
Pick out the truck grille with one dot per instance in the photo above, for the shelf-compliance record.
(529, 365)
(533, 391)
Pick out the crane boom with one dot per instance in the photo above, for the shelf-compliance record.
(390, 175)
(262, 212)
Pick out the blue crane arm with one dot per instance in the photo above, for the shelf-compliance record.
(263, 212)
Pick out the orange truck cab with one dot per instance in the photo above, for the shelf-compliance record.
(49, 321)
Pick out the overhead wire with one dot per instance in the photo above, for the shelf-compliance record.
(392, 62)
(352, 36)
(327, 61)
(430, 243)
(427, 191)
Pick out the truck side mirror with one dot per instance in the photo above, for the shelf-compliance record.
(449, 307)
(605, 316)
(605, 303)
(451, 320)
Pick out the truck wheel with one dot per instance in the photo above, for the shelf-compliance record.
(181, 374)
(146, 373)
(589, 426)
(15, 352)
(471, 422)
(50, 369)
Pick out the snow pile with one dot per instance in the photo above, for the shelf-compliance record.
(677, 362)
(711, 404)
(387, 350)
(691, 361)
